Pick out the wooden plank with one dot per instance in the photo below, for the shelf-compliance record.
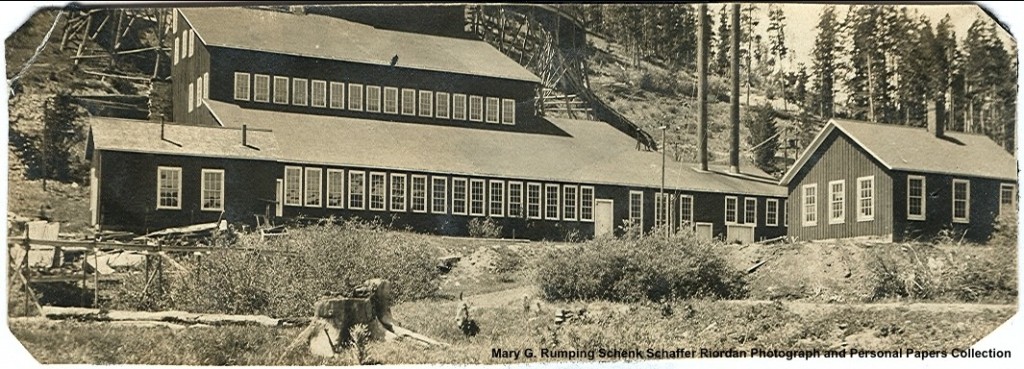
(89, 245)
(180, 317)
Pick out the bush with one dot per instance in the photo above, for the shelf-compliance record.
(642, 267)
(327, 259)
(944, 273)
(484, 228)
(659, 82)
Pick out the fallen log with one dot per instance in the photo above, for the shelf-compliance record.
(174, 317)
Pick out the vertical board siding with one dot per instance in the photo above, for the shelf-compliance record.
(984, 208)
(187, 71)
(838, 158)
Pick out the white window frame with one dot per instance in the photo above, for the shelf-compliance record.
(575, 206)
(191, 42)
(837, 202)
(206, 85)
(336, 95)
(390, 100)
(492, 104)
(924, 198)
(256, 90)
(587, 205)
(288, 182)
(482, 199)
(281, 96)
(422, 196)
(662, 205)
(464, 198)
(684, 213)
(203, 190)
(199, 91)
(747, 201)
(355, 97)
(177, 47)
(771, 210)
(191, 96)
(967, 201)
(174, 22)
(300, 91)
(459, 105)
(184, 45)
(516, 200)
(735, 210)
(785, 213)
(534, 203)
(1005, 205)
(318, 88)
(331, 190)
(813, 204)
(442, 102)
(428, 104)
(176, 187)
(477, 101)
(508, 111)
(310, 192)
(861, 216)
(407, 104)
(361, 193)
(636, 220)
(550, 203)
(443, 191)
(499, 210)
(398, 197)
(373, 96)
(383, 195)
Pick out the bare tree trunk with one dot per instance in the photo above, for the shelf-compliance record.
(871, 90)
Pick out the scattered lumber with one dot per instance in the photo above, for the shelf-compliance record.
(174, 317)
(754, 268)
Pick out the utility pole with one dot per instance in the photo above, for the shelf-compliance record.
(664, 209)
(702, 87)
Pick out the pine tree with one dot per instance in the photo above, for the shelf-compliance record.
(945, 58)
(62, 129)
(990, 81)
(763, 136)
(826, 51)
(721, 60)
(777, 48)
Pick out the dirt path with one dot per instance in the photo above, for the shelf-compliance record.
(503, 298)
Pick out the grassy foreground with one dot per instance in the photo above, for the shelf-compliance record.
(694, 324)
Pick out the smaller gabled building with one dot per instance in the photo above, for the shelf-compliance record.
(860, 179)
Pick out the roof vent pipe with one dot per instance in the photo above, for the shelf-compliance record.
(936, 118)
(245, 139)
(162, 128)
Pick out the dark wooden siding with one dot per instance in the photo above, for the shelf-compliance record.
(186, 71)
(838, 158)
(128, 188)
(229, 60)
(984, 208)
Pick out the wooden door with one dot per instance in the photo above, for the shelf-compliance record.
(604, 217)
(279, 199)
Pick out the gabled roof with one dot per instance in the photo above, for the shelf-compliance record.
(910, 149)
(144, 137)
(332, 38)
(591, 152)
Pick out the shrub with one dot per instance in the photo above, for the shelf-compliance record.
(643, 267)
(484, 228)
(944, 272)
(659, 82)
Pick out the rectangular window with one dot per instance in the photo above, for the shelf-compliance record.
(319, 94)
(373, 99)
(961, 201)
(771, 213)
(397, 192)
(418, 196)
(174, 56)
(661, 202)
(515, 199)
(476, 108)
(199, 91)
(570, 201)
(378, 191)
(191, 42)
(459, 107)
(492, 110)
(293, 186)
(261, 88)
(314, 184)
(459, 196)
(241, 86)
(866, 199)
(636, 208)
(390, 100)
(300, 91)
(174, 22)
(551, 193)
(916, 188)
(426, 103)
(191, 96)
(732, 205)
(508, 111)
(184, 45)
(810, 207)
(206, 85)
(533, 200)
(497, 195)
(1007, 198)
(280, 90)
(355, 97)
(837, 202)
(686, 210)
(785, 213)
(335, 188)
(476, 197)
(408, 101)
(168, 186)
(356, 190)
(586, 203)
(439, 195)
(750, 211)
(441, 105)
(337, 95)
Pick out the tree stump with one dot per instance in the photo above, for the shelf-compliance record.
(333, 318)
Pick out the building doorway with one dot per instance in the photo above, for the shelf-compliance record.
(604, 217)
